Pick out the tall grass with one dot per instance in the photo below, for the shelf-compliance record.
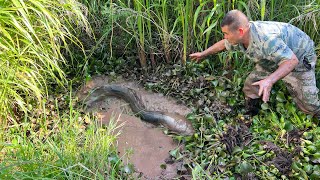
(61, 144)
(139, 7)
(161, 10)
(308, 18)
(171, 30)
(185, 15)
(33, 33)
(205, 22)
(150, 38)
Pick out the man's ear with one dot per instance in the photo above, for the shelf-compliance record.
(241, 31)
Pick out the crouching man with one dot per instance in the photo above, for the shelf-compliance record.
(281, 51)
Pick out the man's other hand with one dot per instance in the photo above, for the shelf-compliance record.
(265, 86)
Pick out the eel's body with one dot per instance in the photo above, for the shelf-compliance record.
(174, 122)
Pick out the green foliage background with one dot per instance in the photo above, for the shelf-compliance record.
(46, 46)
(152, 33)
(165, 31)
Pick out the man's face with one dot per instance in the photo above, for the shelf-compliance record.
(233, 37)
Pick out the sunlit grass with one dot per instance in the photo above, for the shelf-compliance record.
(60, 145)
(33, 34)
(172, 30)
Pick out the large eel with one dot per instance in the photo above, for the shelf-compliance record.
(174, 122)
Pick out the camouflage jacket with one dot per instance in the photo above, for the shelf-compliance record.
(271, 43)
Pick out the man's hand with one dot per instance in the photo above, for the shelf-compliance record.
(265, 86)
(284, 69)
(217, 47)
(196, 56)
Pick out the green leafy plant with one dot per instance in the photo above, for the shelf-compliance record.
(60, 142)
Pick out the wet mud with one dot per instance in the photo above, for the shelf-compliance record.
(142, 144)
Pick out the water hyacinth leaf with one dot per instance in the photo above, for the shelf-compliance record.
(297, 168)
(225, 93)
(198, 90)
(219, 89)
(210, 78)
(206, 109)
(129, 168)
(221, 164)
(208, 117)
(191, 116)
(208, 137)
(316, 168)
(312, 149)
(280, 97)
(315, 175)
(316, 158)
(200, 145)
(307, 168)
(236, 159)
(245, 155)
(288, 126)
(264, 106)
(232, 101)
(260, 153)
(179, 138)
(236, 150)
(307, 135)
(113, 159)
(245, 167)
(215, 83)
(308, 124)
(239, 81)
(175, 153)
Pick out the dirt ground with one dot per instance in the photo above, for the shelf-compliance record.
(140, 143)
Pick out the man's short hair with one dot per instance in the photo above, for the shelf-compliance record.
(233, 20)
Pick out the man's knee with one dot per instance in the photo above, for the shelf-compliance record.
(249, 90)
(311, 108)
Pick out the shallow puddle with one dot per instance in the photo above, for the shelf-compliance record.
(140, 143)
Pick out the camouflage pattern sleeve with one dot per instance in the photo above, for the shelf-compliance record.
(277, 51)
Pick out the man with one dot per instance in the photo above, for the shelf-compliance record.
(280, 51)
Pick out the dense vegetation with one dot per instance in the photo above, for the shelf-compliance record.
(47, 47)
(42, 134)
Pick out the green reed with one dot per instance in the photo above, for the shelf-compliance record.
(33, 33)
(139, 8)
(62, 144)
(161, 25)
(161, 11)
(149, 30)
(209, 17)
(185, 14)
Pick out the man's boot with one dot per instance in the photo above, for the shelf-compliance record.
(252, 106)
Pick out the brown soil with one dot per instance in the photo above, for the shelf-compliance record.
(140, 143)
(283, 159)
(236, 136)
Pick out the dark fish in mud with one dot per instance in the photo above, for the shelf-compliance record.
(174, 122)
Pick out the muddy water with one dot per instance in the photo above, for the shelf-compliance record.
(140, 143)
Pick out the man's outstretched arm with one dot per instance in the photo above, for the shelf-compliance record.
(215, 48)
